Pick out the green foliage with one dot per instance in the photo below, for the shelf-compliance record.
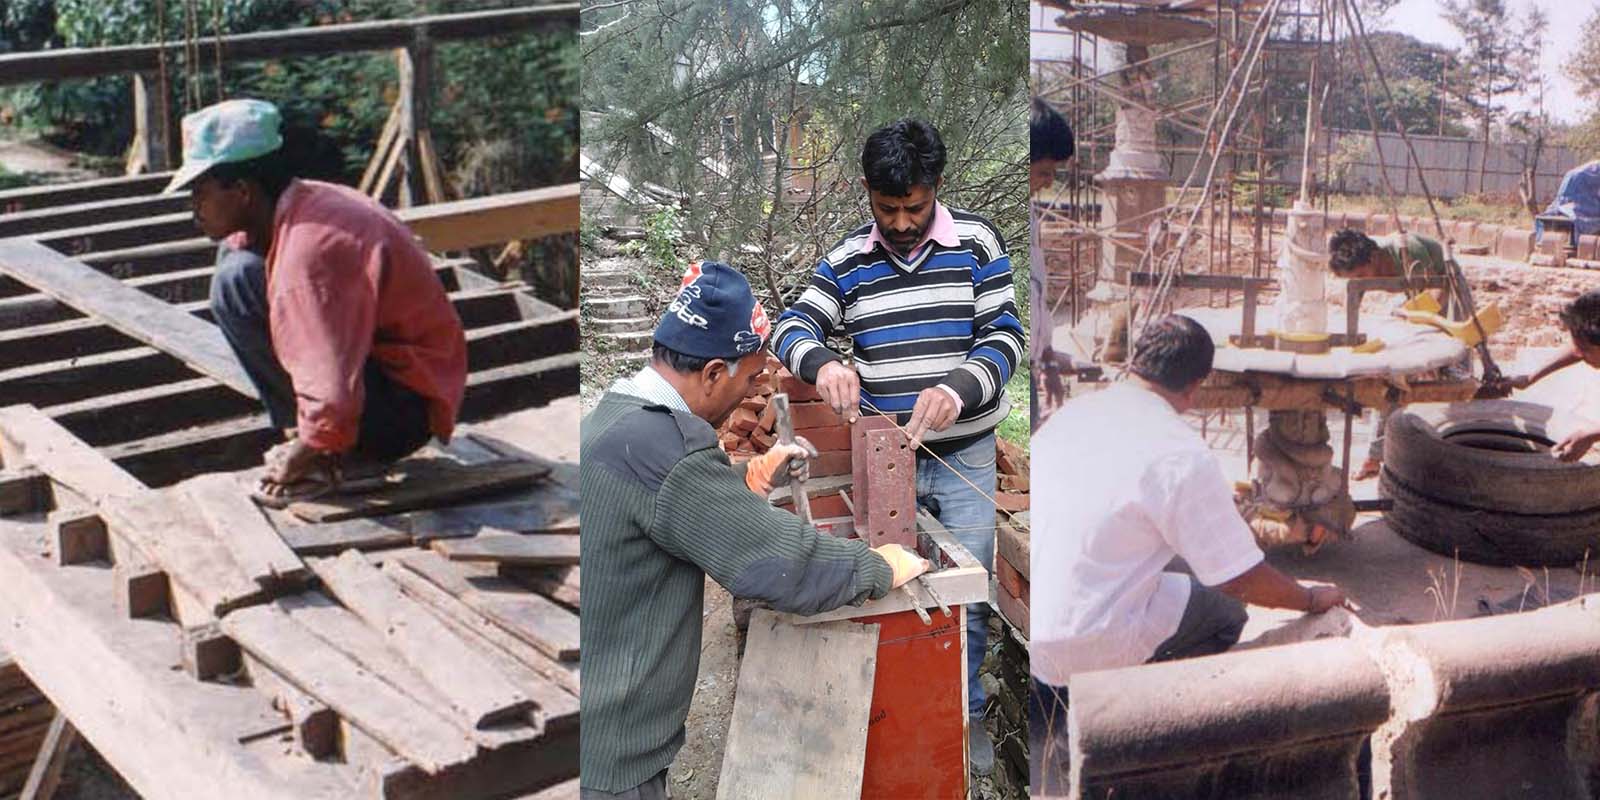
(726, 101)
(663, 234)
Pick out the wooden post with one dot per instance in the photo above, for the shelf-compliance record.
(415, 64)
(150, 150)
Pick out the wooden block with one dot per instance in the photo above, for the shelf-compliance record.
(814, 414)
(476, 690)
(424, 738)
(824, 439)
(183, 547)
(536, 550)
(237, 522)
(142, 589)
(24, 490)
(529, 617)
(800, 716)
(207, 653)
(885, 471)
(80, 536)
(314, 725)
(427, 482)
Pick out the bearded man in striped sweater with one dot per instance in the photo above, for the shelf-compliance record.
(923, 293)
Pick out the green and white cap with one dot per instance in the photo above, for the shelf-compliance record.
(228, 132)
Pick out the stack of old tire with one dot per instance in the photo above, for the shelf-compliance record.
(1477, 481)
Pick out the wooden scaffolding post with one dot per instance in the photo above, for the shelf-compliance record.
(150, 151)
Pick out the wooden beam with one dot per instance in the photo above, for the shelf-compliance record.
(423, 737)
(496, 219)
(51, 383)
(529, 617)
(159, 525)
(64, 194)
(524, 549)
(45, 776)
(126, 416)
(478, 693)
(29, 437)
(235, 520)
(163, 326)
(427, 482)
(76, 62)
(120, 235)
(43, 220)
(502, 390)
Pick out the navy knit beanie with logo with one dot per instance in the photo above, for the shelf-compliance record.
(715, 315)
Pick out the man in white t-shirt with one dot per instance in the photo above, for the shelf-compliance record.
(1139, 487)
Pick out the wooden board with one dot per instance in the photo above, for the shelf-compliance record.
(478, 692)
(548, 507)
(465, 618)
(530, 617)
(534, 550)
(237, 522)
(32, 438)
(799, 727)
(424, 738)
(194, 341)
(560, 584)
(425, 483)
(184, 547)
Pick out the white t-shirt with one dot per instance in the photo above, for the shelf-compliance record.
(1127, 485)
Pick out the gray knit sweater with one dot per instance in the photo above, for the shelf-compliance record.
(662, 508)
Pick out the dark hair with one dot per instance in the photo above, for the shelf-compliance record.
(1173, 352)
(901, 155)
(272, 172)
(687, 364)
(1582, 317)
(1349, 249)
(1049, 135)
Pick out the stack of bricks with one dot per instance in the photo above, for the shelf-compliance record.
(1011, 475)
(752, 428)
(1011, 535)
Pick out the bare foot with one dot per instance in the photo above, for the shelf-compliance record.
(1369, 469)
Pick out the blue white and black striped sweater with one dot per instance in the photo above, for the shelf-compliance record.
(946, 315)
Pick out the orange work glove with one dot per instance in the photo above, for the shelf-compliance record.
(905, 564)
(777, 465)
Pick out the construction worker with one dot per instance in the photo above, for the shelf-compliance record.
(924, 293)
(1353, 254)
(1140, 487)
(1582, 320)
(1050, 147)
(329, 303)
(663, 509)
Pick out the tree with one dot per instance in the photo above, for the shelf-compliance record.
(1584, 71)
(754, 111)
(1493, 60)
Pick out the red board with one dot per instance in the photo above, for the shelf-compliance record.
(917, 734)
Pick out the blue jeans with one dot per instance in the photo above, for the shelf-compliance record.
(394, 421)
(970, 518)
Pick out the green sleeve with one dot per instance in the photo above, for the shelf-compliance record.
(704, 514)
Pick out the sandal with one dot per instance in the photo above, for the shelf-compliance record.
(327, 477)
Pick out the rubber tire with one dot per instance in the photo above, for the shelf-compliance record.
(1417, 452)
(1491, 537)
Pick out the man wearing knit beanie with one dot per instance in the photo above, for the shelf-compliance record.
(663, 508)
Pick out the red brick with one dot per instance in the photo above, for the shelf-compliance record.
(1010, 579)
(831, 462)
(798, 390)
(823, 507)
(742, 422)
(1014, 483)
(1010, 458)
(833, 438)
(814, 414)
(1011, 501)
(1013, 608)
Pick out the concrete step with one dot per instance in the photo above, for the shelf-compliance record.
(627, 307)
(607, 279)
(625, 325)
(633, 340)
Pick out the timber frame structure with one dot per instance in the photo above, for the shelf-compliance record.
(120, 401)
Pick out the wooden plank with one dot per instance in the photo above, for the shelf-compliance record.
(45, 776)
(313, 724)
(24, 490)
(424, 483)
(196, 342)
(342, 630)
(477, 691)
(63, 194)
(530, 617)
(31, 437)
(184, 548)
(167, 735)
(534, 550)
(799, 727)
(560, 584)
(37, 221)
(236, 521)
(423, 737)
(496, 219)
(553, 685)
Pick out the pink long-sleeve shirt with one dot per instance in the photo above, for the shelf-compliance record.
(347, 280)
